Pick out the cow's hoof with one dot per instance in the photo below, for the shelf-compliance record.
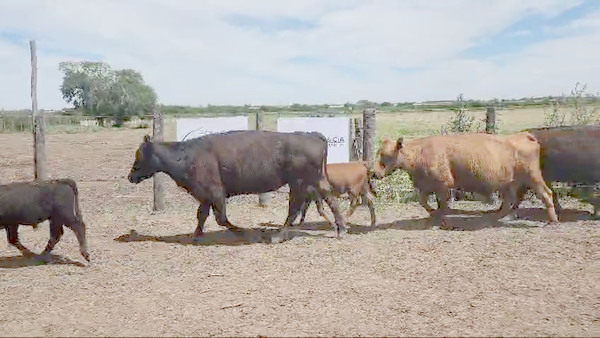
(45, 257)
(197, 238)
(28, 254)
(444, 226)
(510, 217)
(235, 230)
(279, 238)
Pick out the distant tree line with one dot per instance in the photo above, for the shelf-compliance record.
(95, 89)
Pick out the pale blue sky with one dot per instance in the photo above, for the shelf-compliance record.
(311, 51)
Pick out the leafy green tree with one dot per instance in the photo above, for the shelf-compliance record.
(101, 91)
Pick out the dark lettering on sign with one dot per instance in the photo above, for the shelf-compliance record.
(336, 141)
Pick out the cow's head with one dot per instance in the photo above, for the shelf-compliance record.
(388, 158)
(145, 165)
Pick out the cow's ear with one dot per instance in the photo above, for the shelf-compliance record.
(147, 138)
(399, 143)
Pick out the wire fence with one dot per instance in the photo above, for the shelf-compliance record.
(397, 188)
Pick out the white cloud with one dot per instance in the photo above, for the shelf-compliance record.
(192, 54)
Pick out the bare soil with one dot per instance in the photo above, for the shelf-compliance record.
(400, 278)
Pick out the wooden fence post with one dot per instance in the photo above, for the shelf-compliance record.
(263, 199)
(158, 127)
(39, 129)
(369, 134)
(357, 139)
(490, 120)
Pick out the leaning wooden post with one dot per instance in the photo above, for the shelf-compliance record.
(39, 130)
(490, 120)
(263, 199)
(158, 128)
(369, 134)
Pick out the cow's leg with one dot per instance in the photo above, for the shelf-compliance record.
(340, 226)
(555, 200)
(319, 204)
(80, 233)
(325, 192)
(297, 199)
(219, 209)
(78, 227)
(203, 212)
(56, 232)
(443, 195)
(371, 206)
(545, 194)
(520, 194)
(353, 204)
(305, 207)
(423, 201)
(12, 232)
(509, 196)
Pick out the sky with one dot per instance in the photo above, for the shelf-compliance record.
(276, 52)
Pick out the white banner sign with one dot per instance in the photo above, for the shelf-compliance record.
(335, 129)
(189, 128)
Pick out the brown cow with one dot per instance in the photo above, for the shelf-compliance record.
(353, 178)
(479, 163)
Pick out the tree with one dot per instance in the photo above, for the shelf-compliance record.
(100, 91)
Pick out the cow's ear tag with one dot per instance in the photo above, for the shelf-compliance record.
(147, 138)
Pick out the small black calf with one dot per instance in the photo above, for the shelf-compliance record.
(32, 202)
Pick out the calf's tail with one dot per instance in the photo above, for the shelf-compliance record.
(369, 177)
(371, 188)
(73, 185)
(80, 228)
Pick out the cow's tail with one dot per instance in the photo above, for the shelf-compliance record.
(76, 210)
(371, 188)
(369, 178)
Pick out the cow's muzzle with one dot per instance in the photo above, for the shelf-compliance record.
(376, 175)
(134, 178)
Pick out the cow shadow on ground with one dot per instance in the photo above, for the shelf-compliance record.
(23, 261)
(465, 220)
(541, 215)
(461, 220)
(243, 236)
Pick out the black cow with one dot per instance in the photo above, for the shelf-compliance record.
(569, 154)
(33, 202)
(214, 167)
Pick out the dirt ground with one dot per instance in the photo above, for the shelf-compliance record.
(401, 278)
